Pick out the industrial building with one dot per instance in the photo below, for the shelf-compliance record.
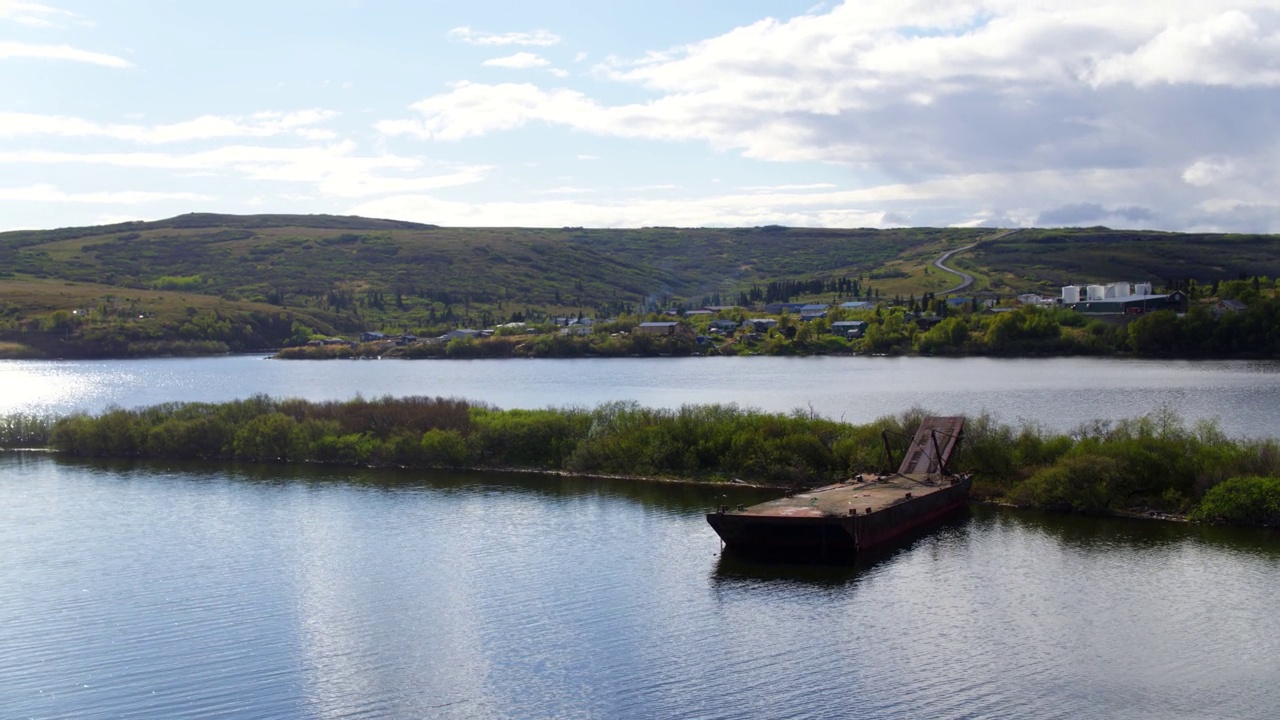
(1120, 298)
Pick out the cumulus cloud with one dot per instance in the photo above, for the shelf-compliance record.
(474, 37)
(1179, 94)
(60, 52)
(520, 61)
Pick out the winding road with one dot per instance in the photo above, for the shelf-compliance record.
(965, 278)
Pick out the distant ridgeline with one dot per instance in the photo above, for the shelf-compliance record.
(203, 283)
(1152, 465)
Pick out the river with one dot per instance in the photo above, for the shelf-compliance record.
(190, 590)
(1058, 393)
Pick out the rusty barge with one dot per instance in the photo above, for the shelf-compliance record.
(836, 522)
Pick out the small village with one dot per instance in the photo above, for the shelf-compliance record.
(1085, 319)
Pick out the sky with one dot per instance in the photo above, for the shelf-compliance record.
(870, 113)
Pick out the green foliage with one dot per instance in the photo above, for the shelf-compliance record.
(1150, 462)
(1080, 482)
(24, 430)
(182, 283)
(1242, 501)
(950, 335)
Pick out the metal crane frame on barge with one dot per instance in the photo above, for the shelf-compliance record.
(836, 522)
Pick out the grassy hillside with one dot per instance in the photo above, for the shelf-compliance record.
(255, 281)
(1045, 259)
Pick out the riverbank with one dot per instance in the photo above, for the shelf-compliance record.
(1155, 464)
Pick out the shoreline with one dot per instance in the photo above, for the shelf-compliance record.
(1132, 514)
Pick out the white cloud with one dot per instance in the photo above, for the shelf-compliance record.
(629, 212)
(60, 52)
(50, 194)
(32, 13)
(1228, 48)
(1207, 171)
(789, 188)
(923, 91)
(520, 61)
(474, 37)
(335, 169)
(263, 124)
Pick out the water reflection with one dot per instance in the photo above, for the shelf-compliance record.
(194, 590)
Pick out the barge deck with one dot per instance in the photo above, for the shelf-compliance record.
(839, 521)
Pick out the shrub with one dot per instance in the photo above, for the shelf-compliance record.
(1242, 501)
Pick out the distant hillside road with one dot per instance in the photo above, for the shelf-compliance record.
(965, 278)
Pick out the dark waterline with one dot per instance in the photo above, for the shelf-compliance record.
(189, 590)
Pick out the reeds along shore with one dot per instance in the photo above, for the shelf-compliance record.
(1155, 462)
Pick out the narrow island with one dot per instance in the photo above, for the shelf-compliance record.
(1153, 466)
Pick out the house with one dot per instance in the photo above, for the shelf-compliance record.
(1228, 306)
(813, 312)
(576, 330)
(461, 333)
(849, 328)
(857, 305)
(322, 342)
(762, 324)
(370, 336)
(779, 308)
(724, 325)
(698, 312)
(658, 328)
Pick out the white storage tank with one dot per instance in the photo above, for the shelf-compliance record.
(1118, 290)
(1097, 292)
(1142, 289)
(1071, 294)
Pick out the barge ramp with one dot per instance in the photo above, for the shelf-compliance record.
(836, 522)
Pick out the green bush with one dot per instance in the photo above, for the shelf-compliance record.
(1080, 483)
(1242, 501)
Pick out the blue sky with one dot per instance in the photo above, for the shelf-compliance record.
(608, 114)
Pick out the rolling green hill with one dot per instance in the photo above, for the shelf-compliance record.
(247, 282)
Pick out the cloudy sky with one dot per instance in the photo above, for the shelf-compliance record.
(625, 114)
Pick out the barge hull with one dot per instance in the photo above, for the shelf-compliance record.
(839, 521)
(829, 537)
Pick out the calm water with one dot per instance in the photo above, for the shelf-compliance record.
(193, 591)
(1057, 393)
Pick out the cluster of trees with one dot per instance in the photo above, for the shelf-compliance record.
(1201, 332)
(125, 328)
(1254, 331)
(1155, 462)
(1026, 330)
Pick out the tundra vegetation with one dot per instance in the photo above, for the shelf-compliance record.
(1152, 464)
(203, 283)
